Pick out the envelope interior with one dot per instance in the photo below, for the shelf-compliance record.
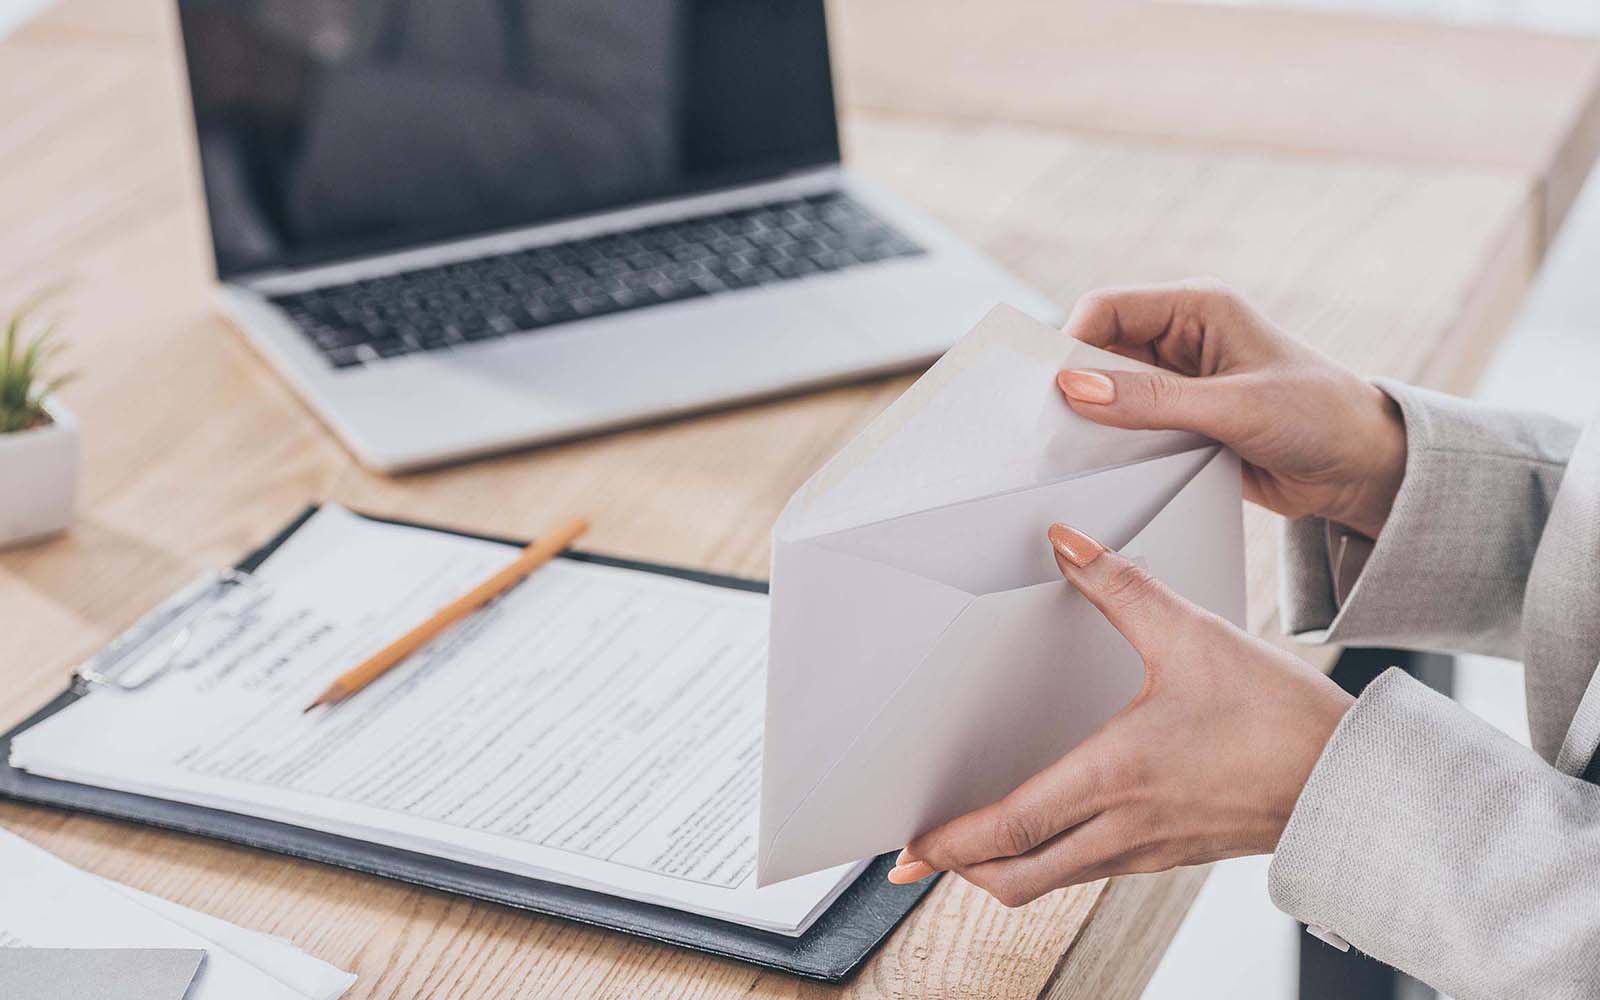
(987, 419)
(997, 543)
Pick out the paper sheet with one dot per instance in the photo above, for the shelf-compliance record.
(47, 903)
(305, 974)
(595, 726)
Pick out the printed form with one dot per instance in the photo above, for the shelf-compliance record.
(596, 726)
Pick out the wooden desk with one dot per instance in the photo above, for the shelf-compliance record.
(1383, 189)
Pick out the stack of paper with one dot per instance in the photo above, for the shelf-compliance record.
(47, 903)
(597, 727)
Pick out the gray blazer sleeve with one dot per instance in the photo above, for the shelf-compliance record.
(1430, 840)
(1449, 569)
(1425, 837)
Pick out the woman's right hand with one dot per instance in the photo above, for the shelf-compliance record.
(1315, 438)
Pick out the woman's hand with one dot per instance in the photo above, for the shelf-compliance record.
(1205, 763)
(1315, 438)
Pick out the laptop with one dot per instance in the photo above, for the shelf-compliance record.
(462, 226)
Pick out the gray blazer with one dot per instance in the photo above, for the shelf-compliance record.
(1425, 837)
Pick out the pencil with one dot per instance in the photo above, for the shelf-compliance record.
(385, 659)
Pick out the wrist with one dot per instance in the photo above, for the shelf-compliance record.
(1323, 710)
(1379, 463)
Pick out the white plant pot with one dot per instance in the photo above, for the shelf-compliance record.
(38, 477)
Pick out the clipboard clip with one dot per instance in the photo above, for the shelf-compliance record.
(175, 622)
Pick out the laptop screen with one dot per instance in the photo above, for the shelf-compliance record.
(334, 128)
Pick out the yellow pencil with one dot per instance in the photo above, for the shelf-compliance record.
(385, 659)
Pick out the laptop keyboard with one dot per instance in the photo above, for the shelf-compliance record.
(529, 290)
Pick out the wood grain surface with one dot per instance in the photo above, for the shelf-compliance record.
(1333, 169)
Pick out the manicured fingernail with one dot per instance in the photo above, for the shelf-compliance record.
(1087, 387)
(905, 858)
(916, 871)
(1075, 547)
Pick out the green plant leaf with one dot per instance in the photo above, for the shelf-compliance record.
(25, 380)
(8, 355)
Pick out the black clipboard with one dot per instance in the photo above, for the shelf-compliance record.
(833, 947)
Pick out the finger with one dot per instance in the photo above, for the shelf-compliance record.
(1089, 851)
(1136, 604)
(1218, 407)
(1169, 322)
(1062, 795)
(1129, 316)
(1196, 327)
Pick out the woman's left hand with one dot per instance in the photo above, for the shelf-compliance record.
(1205, 763)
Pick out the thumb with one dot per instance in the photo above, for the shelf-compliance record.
(1136, 604)
(1156, 400)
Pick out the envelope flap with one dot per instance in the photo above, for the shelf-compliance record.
(984, 420)
(998, 543)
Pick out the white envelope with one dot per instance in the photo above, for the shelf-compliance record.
(926, 657)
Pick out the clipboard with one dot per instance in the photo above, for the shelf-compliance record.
(830, 950)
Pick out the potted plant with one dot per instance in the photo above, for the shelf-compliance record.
(38, 436)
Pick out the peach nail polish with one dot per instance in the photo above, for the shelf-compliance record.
(1075, 547)
(1087, 387)
(904, 858)
(916, 871)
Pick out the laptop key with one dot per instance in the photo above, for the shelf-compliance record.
(633, 298)
(683, 290)
(331, 337)
(509, 319)
(794, 268)
(389, 347)
(547, 313)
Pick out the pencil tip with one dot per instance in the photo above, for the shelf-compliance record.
(308, 708)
